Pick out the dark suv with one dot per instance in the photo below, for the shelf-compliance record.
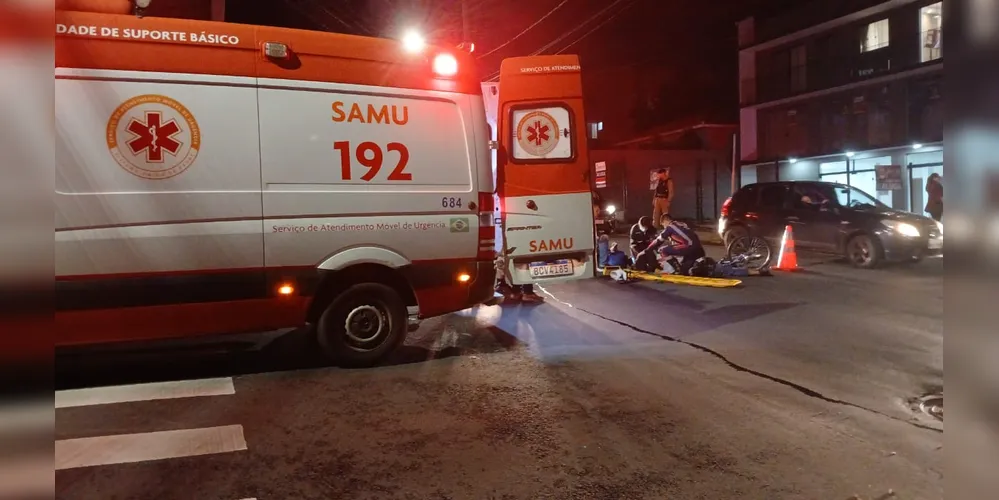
(830, 218)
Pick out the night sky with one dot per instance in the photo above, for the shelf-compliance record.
(680, 55)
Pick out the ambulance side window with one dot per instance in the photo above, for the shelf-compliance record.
(542, 134)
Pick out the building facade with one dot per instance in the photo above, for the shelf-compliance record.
(701, 179)
(697, 154)
(845, 92)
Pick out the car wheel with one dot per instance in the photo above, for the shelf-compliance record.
(733, 234)
(864, 251)
(362, 325)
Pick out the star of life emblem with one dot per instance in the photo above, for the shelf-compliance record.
(153, 137)
(538, 133)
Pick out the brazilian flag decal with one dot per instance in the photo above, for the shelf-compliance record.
(459, 225)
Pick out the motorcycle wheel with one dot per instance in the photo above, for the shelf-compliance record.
(756, 250)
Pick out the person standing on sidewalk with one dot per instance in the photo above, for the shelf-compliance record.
(662, 197)
(934, 197)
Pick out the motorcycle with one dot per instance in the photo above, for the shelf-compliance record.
(607, 219)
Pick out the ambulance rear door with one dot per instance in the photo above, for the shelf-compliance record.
(543, 170)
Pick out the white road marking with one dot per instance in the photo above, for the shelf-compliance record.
(144, 392)
(129, 448)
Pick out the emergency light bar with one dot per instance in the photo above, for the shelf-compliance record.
(445, 65)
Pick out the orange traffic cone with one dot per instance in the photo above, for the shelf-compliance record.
(787, 260)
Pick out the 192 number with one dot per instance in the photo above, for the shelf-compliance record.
(448, 202)
(371, 156)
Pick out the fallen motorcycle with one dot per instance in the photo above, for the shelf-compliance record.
(745, 256)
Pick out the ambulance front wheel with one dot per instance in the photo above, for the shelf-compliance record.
(362, 325)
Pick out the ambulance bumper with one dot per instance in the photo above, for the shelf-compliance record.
(437, 293)
(483, 289)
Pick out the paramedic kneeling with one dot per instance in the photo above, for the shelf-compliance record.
(677, 240)
(641, 236)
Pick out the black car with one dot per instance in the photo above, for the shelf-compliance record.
(830, 218)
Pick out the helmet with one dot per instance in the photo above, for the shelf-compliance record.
(703, 267)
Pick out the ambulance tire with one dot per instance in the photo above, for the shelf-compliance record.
(362, 325)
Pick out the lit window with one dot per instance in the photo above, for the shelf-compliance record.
(931, 32)
(835, 167)
(875, 36)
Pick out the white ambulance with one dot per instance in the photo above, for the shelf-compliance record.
(220, 178)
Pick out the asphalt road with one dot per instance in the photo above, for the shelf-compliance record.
(796, 386)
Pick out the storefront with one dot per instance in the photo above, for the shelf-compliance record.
(919, 168)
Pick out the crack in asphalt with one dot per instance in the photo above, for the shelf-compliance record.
(737, 367)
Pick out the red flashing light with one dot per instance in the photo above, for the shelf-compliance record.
(487, 204)
(445, 65)
(487, 227)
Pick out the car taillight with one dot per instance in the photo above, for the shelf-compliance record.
(726, 207)
(487, 227)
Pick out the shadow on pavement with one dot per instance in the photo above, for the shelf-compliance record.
(839, 266)
(661, 309)
(459, 334)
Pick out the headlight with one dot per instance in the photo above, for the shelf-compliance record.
(903, 228)
(610, 209)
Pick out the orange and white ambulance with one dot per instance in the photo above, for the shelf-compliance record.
(219, 178)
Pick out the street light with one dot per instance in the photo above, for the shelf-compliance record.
(413, 41)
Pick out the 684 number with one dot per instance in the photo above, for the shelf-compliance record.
(371, 156)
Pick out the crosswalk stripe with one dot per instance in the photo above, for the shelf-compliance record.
(129, 448)
(144, 392)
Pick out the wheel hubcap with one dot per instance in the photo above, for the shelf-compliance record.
(365, 324)
(861, 252)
